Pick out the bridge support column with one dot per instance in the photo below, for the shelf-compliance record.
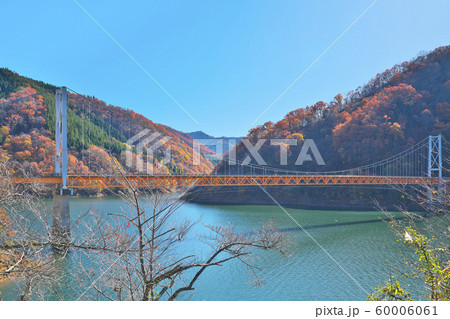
(61, 218)
(61, 208)
(429, 196)
(434, 194)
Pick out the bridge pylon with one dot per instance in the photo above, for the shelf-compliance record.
(435, 156)
(435, 167)
(61, 195)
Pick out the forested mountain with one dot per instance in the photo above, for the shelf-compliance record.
(396, 109)
(96, 132)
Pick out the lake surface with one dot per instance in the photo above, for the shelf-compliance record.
(364, 247)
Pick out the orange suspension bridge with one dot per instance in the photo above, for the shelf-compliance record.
(97, 181)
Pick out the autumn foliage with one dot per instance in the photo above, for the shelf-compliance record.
(97, 132)
(394, 110)
(5, 224)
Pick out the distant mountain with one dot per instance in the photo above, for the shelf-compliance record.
(200, 135)
(228, 142)
(97, 132)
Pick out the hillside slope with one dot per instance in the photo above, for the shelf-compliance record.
(96, 132)
(394, 110)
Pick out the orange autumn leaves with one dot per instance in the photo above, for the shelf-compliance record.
(25, 139)
(5, 224)
(396, 109)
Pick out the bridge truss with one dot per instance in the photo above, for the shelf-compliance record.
(168, 181)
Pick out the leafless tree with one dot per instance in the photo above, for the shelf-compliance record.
(141, 253)
(137, 252)
(25, 235)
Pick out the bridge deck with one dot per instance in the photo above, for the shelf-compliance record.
(96, 181)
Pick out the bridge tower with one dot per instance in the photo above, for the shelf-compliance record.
(435, 156)
(435, 165)
(61, 195)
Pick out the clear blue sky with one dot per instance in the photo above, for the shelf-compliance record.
(224, 61)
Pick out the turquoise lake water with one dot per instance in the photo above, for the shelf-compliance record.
(359, 242)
